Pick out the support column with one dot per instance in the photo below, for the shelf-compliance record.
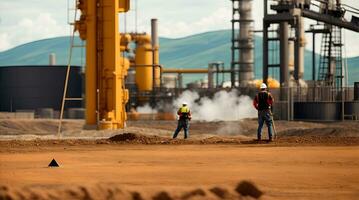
(91, 64)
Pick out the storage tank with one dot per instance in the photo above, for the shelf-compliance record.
(169, 81)
(143, 63)
(36, 87)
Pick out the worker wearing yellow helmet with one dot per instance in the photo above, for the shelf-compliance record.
(184, 114)
(263, 103)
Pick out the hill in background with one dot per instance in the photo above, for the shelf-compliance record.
(194, 51)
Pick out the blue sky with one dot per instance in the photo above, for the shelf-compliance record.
(23, 21)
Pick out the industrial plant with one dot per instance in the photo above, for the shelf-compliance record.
(123, 103)
(109, 86)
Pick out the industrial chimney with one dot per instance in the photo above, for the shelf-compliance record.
(242, 42)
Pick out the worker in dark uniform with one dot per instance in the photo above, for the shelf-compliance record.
(263, 103)
(184, 114)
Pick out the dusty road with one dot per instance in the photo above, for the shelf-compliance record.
(280, 172)
(308, 161)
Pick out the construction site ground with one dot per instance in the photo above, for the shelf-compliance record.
(221, 160)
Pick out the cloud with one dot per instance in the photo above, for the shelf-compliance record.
(25, 21)
(29, 29)
(4, 41)
(174, 27)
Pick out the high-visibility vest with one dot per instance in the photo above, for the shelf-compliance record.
(184, 112)
(184, 109)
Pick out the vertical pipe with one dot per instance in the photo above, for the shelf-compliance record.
(296, 51)
(52, 59)
(302, 43)
(155, 54)
(217, 75)
(284, 61)
(313, 57)
(265, 51)
(341, 75)
(299, 49)
(210, 76)
(232, 51)
(154, 32)
(265, 43)
(284, 58)
(329, 76)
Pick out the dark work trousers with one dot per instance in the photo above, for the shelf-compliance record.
(264, 116)
(182, 123)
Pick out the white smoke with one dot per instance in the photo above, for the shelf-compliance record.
(146, 109)
(224, 106)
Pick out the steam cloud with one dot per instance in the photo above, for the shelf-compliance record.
(224, 106)
(146, 109)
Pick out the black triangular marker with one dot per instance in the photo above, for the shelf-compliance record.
(53, 163)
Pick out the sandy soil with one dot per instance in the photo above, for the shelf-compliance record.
(308, 161)
(280, 172)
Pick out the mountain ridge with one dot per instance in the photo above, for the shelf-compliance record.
(186, 52)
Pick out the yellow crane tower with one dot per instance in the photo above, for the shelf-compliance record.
(106, 69)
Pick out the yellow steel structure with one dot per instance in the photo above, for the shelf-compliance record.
(106, 69)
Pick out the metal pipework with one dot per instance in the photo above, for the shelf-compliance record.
(185, 71)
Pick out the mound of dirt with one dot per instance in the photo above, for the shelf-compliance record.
(162, 196)
(137, 138)
(247, 188)
(222, 193)
(325, 131)
(193, 193)
(113, 192)
(132, 138)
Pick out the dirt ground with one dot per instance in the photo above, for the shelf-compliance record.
(220, 161)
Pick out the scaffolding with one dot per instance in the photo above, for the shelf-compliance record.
(331, 70)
